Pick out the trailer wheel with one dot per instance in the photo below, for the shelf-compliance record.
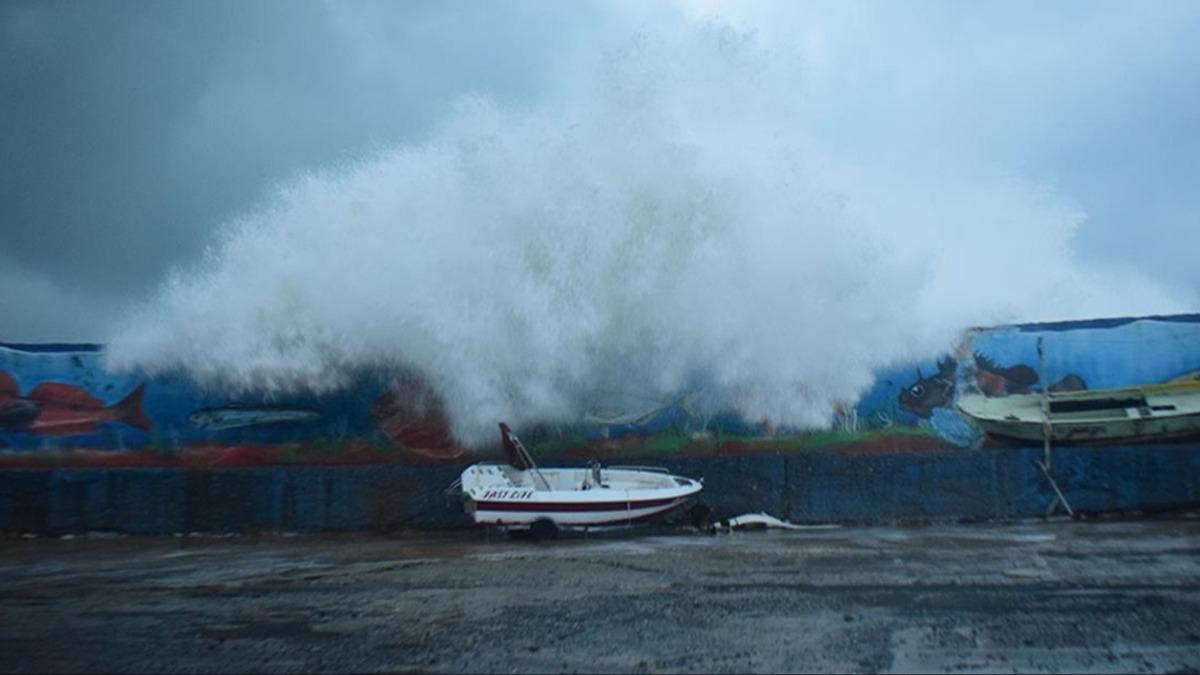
(543, 529)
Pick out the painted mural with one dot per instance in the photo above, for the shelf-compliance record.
(59, 407)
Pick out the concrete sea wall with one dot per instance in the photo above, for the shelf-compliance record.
(815, 487)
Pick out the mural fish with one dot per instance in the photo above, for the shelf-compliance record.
(937, 390)
(412, 417)
(927, 393)
(641, 414)
(612, 415)
(57, 409)
(238, 416)
(1071, 382)
(17, 413)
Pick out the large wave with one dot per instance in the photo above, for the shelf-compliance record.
(675, 217)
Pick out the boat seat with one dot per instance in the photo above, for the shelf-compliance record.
(596, 476)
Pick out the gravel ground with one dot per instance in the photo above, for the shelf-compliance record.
(1097, 596)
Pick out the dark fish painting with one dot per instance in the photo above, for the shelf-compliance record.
(998, 381)
(927, 393)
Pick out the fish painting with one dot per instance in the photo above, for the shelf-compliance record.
(412, 417)
(57, 409)
(997, 381)
(239, 416)
(1069, 382)
(936, 391)
(927, 393)
(17, 413)
(641, 413)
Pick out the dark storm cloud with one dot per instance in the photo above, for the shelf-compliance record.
(131, 129)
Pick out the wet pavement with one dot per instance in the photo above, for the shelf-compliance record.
(1095, 596)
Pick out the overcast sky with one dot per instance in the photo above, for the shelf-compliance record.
(129, 131)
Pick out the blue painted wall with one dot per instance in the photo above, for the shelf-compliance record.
(881, 480)
(39, 382)
(817, 487)
(1000, 361)
(180, 412)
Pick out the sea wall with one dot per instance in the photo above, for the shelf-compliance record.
(819, 487)
(85, 449)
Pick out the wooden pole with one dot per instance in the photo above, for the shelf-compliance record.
(1059, 495)
(1047, 430)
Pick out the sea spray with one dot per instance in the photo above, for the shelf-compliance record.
(674, 221)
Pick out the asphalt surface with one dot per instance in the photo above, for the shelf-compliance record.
(1095, 596)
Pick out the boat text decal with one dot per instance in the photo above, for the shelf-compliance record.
(508, 494)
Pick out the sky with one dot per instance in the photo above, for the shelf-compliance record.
(133, 132)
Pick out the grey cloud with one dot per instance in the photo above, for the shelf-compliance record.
(131, 130)
(1095, 100)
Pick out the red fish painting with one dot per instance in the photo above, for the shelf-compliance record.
(57, 409)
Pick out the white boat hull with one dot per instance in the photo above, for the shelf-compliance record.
(503, 496)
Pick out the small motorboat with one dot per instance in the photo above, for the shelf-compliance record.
(520, 495)
(1147, 413)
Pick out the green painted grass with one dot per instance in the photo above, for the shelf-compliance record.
(663, 445)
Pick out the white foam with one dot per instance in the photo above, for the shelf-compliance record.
(676, 217)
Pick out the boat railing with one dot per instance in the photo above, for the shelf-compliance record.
(453, 493)
(638, 467)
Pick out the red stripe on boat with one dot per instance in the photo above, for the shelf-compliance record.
(574, 506)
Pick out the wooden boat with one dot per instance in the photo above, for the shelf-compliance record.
(1148, 413)
(521, 495)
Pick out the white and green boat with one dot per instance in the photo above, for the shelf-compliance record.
(1128, 414)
